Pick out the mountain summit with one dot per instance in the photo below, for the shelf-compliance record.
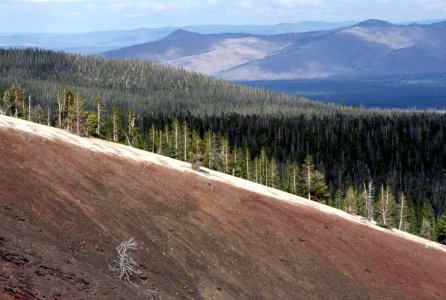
(374, 23)
(179, 35)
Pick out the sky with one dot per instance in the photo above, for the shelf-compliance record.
(94, 15)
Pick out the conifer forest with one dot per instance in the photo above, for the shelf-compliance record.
(385, 165)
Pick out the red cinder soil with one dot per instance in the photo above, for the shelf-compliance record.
(64, 209)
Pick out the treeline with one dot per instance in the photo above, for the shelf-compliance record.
(268, 151)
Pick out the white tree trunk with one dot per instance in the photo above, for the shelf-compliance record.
(401, 212)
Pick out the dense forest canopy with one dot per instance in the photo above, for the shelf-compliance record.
(353, 157)
(144, 87)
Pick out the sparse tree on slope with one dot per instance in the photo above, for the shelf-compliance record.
(5, 103)
(386, 207)
(116, 123)
(209, 149)
(99, 104)
(133, 134)
(17, 100)
(224, 154)
(403, 224)
(313, 182)
(185, 139)
(195, 151)
(76, 115)
(38, 115)
(441, 228)
(176, 136)
(369, 200)
(60, 106)
(427, 229)
(91, 123)
(351, 201)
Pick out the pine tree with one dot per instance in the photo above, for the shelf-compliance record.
(236, 162)
(76, 115)
(48, 116)
(99, 105)
(116, 123)
(351, 201)
(167, 141)
(273, 173)
(256, 170)
(176, 136)
(427, 228)
(263, 167)
(38, 115)
(29, 107)
(67, 103)
(441, 228)
(91, 123)
(403, 212)
(60, 107)
(313, 182)
(132, 133)
(5, 103)
(185, 140)
(209, 149)
(369, 200)
(338, 199)
(160, 142)
(307, 175)
(152, 138)
(247, 164)
(292, 180)
(224, 154)
(386, 207)
(17, 100)
(195, 151)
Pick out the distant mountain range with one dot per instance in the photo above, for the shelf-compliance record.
(368, 49)
(100, 41)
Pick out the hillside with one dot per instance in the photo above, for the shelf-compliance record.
(258, 130)
(368, 49)
(100, 41)
(67, 202)
(141, 86)
(209, 54)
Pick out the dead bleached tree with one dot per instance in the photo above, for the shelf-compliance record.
(369, 200)
(126, 268)
(5, 104)
(124, 265)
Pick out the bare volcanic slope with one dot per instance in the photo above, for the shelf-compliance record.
(67, 202)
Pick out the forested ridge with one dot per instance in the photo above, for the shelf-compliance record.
(387, 165)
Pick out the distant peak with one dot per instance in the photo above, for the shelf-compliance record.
(374, 23)
(179, 34)
(439, 25)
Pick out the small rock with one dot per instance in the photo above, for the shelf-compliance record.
(11, 289)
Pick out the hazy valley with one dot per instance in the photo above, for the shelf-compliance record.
(372, 63)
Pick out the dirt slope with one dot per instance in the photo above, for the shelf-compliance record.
(64, 208)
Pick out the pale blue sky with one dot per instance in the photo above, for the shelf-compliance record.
(92, 15)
